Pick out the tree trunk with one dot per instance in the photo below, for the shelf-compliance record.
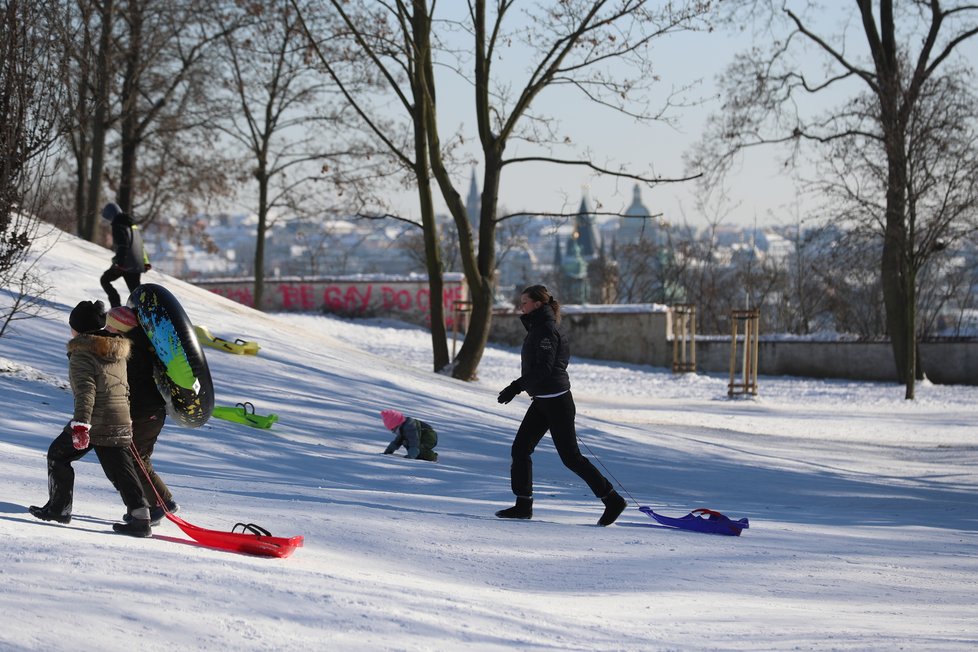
(483, 287)
(130, 108)
(899, 295)
(81, 145)
(436, 284)
(100, 123)
(476, 333)
(262, 176)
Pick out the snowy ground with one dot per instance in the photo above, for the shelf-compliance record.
(862, 506)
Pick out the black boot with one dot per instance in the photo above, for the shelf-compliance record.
(523, 509)
(137, 527)
(46, 514)
(614, 505)
(157, 513)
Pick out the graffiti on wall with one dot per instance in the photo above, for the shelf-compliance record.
(408, 300)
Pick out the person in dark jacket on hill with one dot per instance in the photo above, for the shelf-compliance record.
(146, 407)
(100, 421)
(544, 359)
(130, 259)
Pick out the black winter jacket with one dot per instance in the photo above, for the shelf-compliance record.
(545, 354)
(144, 397)
(127, 243)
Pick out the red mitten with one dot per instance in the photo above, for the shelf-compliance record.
(79, 434)
(147, 267)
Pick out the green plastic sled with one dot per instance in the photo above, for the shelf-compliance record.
(244, 413)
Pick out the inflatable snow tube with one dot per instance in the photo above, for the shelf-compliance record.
(182, 374)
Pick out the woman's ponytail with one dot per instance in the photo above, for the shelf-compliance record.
(542, 294)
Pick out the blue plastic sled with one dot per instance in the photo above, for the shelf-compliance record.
(713, 523)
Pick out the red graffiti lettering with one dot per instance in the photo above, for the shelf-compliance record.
(348, 300)
(423, 300)
(241, 295)
(396, 299)
(297, 297)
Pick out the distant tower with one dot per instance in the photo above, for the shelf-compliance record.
(587, 235)
(574, 279)
(558, 259)
(637, 223)
(473, 204)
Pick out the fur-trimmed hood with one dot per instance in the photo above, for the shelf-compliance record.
(104, 345)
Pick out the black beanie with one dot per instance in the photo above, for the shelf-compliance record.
(110, 211)
(88, 317)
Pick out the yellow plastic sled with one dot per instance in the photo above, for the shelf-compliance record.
(238, 346)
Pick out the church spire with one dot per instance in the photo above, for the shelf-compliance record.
(473, 203)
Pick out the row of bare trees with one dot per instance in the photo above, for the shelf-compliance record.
(307, 108)
(883, 103)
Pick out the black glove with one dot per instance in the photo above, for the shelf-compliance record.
(510, 392)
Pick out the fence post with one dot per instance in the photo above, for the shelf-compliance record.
(683, 337)
(747, 384)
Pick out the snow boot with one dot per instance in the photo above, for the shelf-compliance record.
(523, 509)
(614, 505)
(46, 514)
(137, 527)
(156, 513)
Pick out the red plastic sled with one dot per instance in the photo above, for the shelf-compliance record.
(255, 543)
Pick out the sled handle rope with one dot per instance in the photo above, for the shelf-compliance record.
(606, 470)
(244, 408)
(149, 481)
(246, 528)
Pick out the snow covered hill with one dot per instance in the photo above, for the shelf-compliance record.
(862, 506)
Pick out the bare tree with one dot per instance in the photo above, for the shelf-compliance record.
(32, 99)
(274, 102)
(579, 44)
(162, 88)
(392, 44)
(92, 111)
(903, 49)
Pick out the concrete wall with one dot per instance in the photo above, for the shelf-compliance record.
(633, 333)
(407, 299)
(637, 334)
(943, 362)
(642, 335)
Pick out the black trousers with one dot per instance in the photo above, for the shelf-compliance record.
(117, 464)
(145, 431)
(556, 415)
(113, 274)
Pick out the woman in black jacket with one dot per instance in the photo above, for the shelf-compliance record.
(544, 359)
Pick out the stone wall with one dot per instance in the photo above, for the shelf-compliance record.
(637, 334)
(943, 362)
(641, 334)
(633, 333)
